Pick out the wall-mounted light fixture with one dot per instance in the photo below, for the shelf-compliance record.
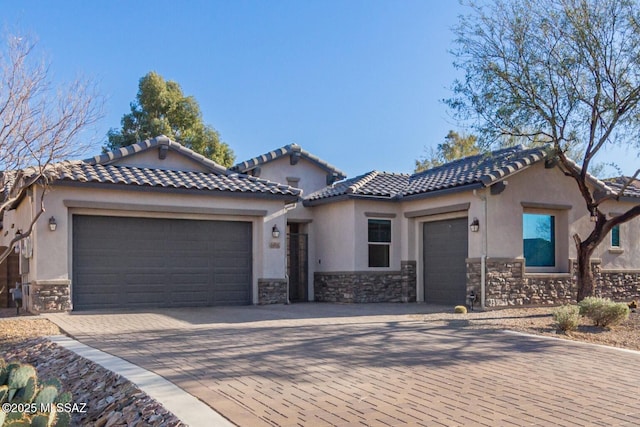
(475, 225)
(52, 224)
(275, 232)
(16, 248)
(594, 215)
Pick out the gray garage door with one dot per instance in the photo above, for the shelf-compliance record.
(445, 252)
(142, 262)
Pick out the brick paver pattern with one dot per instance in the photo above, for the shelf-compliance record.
(368, 365)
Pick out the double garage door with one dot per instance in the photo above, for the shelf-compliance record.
(123, 262)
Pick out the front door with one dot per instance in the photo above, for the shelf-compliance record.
(297, 263)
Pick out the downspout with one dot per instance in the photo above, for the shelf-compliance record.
(485, 245)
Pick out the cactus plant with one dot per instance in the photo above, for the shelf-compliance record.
(64, 398)
(44, 420)
(4, 393)
(63, 419)
(28, 392)
(3, 372)
(16, 423)
(20, 385)
(19, 376)
(46, 395)
(52, 381)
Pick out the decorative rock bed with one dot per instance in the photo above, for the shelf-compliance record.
(111, 400)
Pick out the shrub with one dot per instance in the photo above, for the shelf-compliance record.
(566, 317)
(590, 306)
(460, 309)
(612, 314)
(604, 312)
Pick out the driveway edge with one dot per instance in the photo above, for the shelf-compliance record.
(183, 405)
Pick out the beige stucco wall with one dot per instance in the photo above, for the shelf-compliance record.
(173, 161)
(551, 187)
(52, 258)
(627, 256)
(312, 177)
(334, 237)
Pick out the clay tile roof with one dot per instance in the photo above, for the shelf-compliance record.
(111, 174)
(284, 151)
(120, 153)
(481, 170)
(631, 190)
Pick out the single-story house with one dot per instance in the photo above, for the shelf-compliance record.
(157, 225)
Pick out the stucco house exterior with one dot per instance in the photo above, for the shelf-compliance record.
(157, 225)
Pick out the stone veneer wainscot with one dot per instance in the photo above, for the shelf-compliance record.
(367, 286)
(507, 284)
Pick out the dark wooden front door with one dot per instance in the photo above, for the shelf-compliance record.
(297, 264)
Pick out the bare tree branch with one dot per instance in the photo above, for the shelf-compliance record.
(40, 125)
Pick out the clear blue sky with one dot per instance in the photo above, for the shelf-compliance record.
(359, 83)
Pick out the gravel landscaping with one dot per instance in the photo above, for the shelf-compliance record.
(110, 399)
(114, 401)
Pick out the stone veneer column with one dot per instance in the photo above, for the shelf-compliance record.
(409, 283)
(272, 291)
(49, 296)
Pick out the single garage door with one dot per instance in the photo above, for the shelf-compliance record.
(444, 260)
(143, 262)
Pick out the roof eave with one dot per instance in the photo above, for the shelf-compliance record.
(442, 192)
(289, 198)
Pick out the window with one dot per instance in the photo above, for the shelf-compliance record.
(615, 236)
(539, 238)
(379, 242)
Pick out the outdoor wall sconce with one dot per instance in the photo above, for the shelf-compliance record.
(52, 224)
(475, 225)
(16, 248)
(594, 215)
(275, 232)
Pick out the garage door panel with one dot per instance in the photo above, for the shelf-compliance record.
(159, 262)
(445, 249)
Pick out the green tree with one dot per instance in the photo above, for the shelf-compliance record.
(563, 72)
(161, 108)
(455, 146)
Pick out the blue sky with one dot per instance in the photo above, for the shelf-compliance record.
(358, 83)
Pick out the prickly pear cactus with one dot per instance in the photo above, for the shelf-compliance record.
(20, 385)
(19, 376)
(28, 392)
(46, 395)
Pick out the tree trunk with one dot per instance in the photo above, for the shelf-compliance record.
(586, 286)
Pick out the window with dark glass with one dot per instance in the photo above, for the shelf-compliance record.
(615, 236)
(379, 242)
(539, 240)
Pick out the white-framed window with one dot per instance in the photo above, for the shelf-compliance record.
(379, 242)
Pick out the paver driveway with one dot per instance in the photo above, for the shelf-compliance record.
(379, 364)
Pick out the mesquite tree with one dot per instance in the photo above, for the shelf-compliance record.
(563, 72)
(40, 124)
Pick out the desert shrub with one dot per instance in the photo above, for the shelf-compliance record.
(566, 317)
(460, 309)
(590, 306)
(612, 314)
(604, 312)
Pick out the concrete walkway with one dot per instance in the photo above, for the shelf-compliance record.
(377, 365)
